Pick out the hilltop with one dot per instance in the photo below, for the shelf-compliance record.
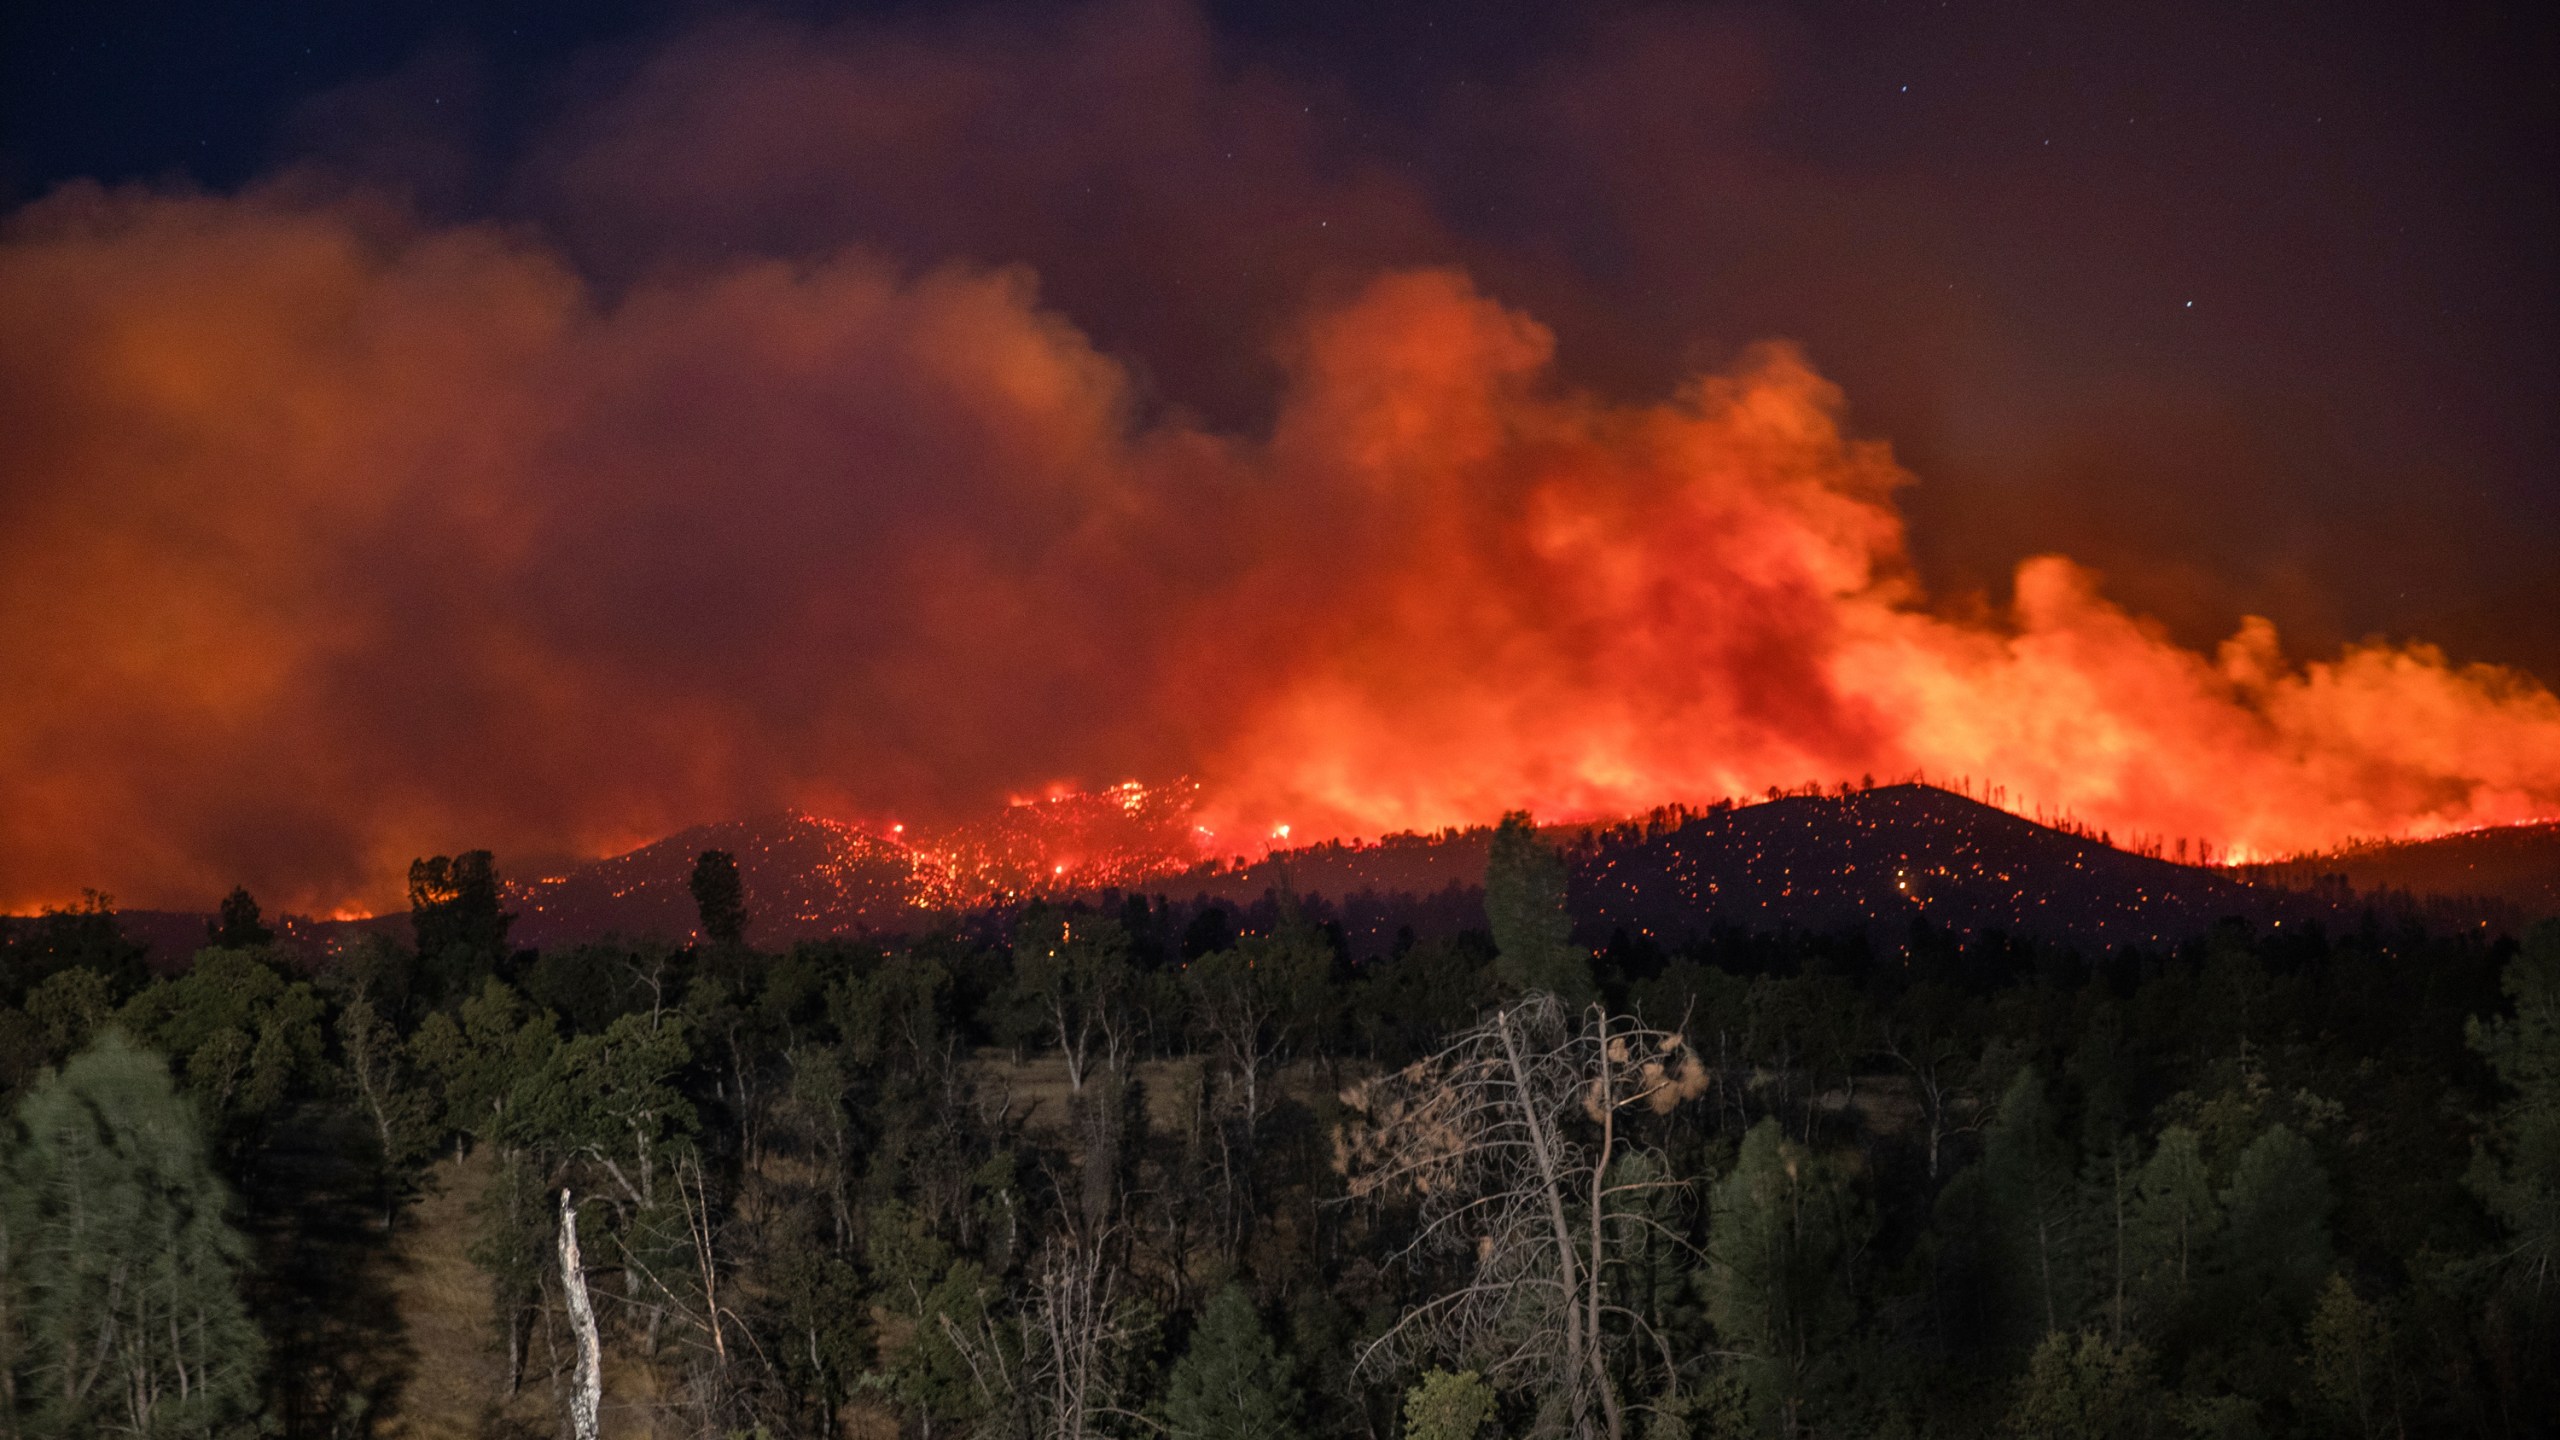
(1874, 859)
(2516, 864)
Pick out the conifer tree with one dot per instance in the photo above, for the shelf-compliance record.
(123, 1271)
(238, 925)
(1781, 1223)
(2031, 1183)
(719, 897)
(1443, 1406)
(2274, 1249)
(1524, 902)
(1233, 1383)
(2079, 1387)
(2175, 1217)
(2516, 1173)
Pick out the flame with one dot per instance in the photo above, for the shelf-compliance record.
(1588, 609)
(335, 539)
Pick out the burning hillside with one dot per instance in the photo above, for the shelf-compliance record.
(337, 539)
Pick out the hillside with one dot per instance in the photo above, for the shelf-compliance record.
(2517, 864)
(1875, 859)
(1880, 858)
(804, 877)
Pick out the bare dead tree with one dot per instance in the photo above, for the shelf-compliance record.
(1066, 1373)
(587, 1393)
(1511, 1137)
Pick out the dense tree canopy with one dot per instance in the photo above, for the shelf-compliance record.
(1149, 1167)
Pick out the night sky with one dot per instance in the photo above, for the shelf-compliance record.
(2247, 311)
(2254, 308)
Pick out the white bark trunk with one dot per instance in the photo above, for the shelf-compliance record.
(586, 1393)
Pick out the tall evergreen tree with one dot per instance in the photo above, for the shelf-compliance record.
(2083, 1388)
(1233, 1383)
(719, 897)
(1524, 895)
(2517, 1171)
(2175, 1217)
(2274, 1249)
(238, 926)
(454, 914)
(122, 1264)
(1782, 1223)
(2031, 1182)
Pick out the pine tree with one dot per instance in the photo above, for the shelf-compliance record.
(2082, 1388)
(2274, 1250)
(122, 1266)
(2517, 1172)
(454, 914)
(1232, 1384)
(1782, 1221)
(2351, 1361)
(2175, 1217)
(2031, 1182)
(1443, 1406)
(1524, 895)
(239, 925)
(719, 897)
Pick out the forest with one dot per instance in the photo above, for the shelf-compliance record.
(1138, 1167)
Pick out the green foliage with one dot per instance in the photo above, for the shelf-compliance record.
(478, 1058)
(2031, 1181)
(120, 1261)
(70, 1009)
(2351, 1362)
(608, 1099)
(2171, 1233)
(1930, 1191)
(1783, 1223)
(951, 1366)
(1073, 987)
(246, 1039)
(1443, 1406)
(2274, 1252)
(1233, 1383)
(1524, 893)
(2080, 1387)
(589, 986)
(2516, 1170)
(384, 1079)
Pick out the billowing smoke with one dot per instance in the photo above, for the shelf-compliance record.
(330, 536)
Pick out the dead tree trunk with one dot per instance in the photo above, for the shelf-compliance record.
(586, 1393)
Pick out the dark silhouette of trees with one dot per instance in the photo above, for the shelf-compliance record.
(1524, 894)
(457, 923)
(719, 897)
(1111, 1169)
(237, 925)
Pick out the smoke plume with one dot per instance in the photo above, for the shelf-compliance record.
(331, 535)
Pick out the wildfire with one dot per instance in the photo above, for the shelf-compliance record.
(399, 538)
(1592, 609)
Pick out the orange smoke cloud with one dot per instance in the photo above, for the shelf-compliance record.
(328, 538)
(1592, 609)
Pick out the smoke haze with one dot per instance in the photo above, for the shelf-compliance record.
(759, 462)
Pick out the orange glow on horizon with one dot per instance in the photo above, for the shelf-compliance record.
(341, 539)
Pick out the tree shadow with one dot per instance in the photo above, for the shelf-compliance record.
(338, 1356)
